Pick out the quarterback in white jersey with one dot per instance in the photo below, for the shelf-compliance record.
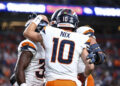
(81, 66)
(62, 52)
(62, 49)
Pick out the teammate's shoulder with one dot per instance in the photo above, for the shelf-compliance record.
(81, 36)
(84, 29)
(27, 44)
(27, 41)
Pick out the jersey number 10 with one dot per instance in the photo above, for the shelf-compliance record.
(61, 51)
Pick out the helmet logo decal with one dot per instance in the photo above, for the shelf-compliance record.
(65, 12)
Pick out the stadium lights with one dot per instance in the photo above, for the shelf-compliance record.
(49, 8)
(53, 8)
(114, 12)
(24, 7)
(2, 6)
(88, 11)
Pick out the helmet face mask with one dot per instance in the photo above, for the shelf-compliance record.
(67, 18)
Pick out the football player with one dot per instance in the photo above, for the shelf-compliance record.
(86, 81)
(62, 48)
(29, 70)
(93, 48)
(87, 31)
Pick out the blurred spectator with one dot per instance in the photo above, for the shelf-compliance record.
(8, 55)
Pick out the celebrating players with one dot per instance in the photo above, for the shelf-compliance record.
(62, 49)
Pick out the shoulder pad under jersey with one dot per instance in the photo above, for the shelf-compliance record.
(85, 30)
(27, 45)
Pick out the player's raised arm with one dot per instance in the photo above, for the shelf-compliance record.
(89, 67)
(30, 31)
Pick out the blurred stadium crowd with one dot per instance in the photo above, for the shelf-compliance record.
(8, 55)
(107, 74)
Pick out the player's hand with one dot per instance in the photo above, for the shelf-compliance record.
(44, 18)
(91, 57)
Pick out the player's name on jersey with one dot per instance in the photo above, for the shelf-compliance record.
(65, 34)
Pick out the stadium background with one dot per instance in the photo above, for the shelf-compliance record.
(107, 32)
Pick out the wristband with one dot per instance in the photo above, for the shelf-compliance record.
(23, 84)
(37, 20)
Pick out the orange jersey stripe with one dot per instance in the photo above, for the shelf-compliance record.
(61, 83)
(90, 30)
(90, 81)
(88, 40)
(28, 43)
(44, 28)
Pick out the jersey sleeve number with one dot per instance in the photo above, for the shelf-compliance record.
(40, 73)
(61, 51)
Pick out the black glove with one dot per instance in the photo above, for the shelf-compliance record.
(13, 79)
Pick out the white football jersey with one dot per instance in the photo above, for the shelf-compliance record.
(89, 32)
(85, 30)
(62, 51)
(34, 73)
